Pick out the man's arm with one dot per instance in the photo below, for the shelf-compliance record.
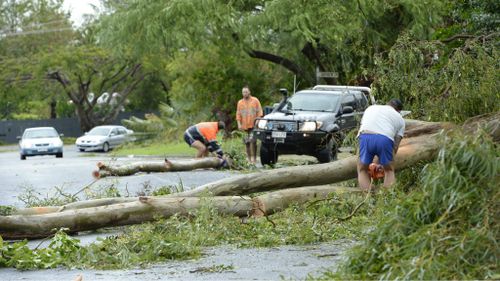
(238, 115)
(399, 135)
(213, 146)
(397, 140)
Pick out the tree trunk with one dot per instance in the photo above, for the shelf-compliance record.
(74, 206)
(411, 151)
(144, 209)
(277, 201)
(159, 166)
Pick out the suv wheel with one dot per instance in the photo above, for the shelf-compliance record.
(23, 157)
(328, 153)
(268, 156)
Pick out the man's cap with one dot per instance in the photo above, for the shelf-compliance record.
(397, 104)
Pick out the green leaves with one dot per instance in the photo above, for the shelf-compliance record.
(63, 250)
(444, 229)
(440, 83)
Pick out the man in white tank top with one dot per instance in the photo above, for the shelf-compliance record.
(381, 131)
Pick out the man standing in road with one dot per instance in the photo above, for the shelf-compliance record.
(381, 131)
(247, 111)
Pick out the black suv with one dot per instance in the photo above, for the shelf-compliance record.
(311, 122)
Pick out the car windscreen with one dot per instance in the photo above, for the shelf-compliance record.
(311, 101)
(41, 133)
(99, 131)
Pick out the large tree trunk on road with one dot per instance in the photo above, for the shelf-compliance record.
(415, 128)
(411, 151)
(156, 166)
(144, 209)
(75, 205)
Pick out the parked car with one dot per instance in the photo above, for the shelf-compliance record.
(40, 141)
(103, 138)
(311, 122)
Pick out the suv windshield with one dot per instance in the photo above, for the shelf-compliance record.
(41, 133)
(312, 101)
(99, 131)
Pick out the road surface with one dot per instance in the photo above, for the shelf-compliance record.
(73, 171)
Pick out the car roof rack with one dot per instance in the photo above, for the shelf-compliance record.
(345, 88)
(337, 87)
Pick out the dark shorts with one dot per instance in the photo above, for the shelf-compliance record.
(373, 144)
(249, 137)
(191, 135)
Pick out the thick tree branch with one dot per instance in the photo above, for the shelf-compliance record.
(124, 94)
(288, 64)
(56, 75)
(104, 81)
(129, 73)
(470, 36)
(312, 54)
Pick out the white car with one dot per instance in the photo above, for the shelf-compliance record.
(40, 141)
(103, 138)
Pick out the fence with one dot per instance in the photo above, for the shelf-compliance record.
(70, 127)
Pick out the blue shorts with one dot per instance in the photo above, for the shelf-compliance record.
(373, 144)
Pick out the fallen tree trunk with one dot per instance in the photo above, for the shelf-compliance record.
(412, 150)
(74, 206)
(414, 128)
(157, 166)
(272, 202)
(149, 208)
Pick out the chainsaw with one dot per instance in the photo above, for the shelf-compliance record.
(376, 171)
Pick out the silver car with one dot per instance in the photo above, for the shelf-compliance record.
(40, 141)
(103, 138)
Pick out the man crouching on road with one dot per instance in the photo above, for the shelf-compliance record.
(381, 131)
(203, 137)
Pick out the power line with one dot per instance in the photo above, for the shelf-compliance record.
(5, 30)
(35, 32)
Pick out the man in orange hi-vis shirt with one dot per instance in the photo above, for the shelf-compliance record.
(247, 111)
(203, 137)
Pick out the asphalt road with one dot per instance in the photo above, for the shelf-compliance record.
(74, 171)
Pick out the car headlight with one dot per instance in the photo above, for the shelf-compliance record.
(310, 126)
(57, 143)
(27, 145)
(261, 124)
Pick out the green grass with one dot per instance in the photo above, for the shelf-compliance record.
(156, 148)
(171, 148)
(68, 140)
(180, 237)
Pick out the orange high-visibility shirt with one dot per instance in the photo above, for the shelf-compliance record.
(208, 130)
(247, 111)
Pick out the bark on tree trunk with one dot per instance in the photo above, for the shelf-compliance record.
(74, 206)
(159, 166)
(412, 150)
(144, 209)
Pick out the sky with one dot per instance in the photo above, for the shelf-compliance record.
(78, 8)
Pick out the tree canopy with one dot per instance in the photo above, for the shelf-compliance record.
(198, 54)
